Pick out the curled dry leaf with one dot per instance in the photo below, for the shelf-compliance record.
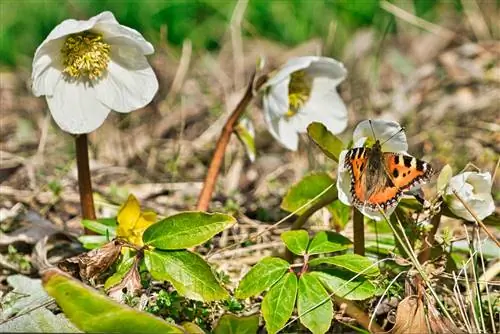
(440, 324)
(410, 316)
(130, 284)
(91, 264)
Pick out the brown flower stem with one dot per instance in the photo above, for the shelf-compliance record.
(478, 221)
(359, 232)
(323, 201)
(84, 182)
(358, 314)
(220, 148)
(428, 241)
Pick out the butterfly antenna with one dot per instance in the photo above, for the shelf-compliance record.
(373, 131)
(400, 130)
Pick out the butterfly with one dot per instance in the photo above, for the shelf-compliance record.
(379, 179)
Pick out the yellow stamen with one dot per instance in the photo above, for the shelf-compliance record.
(85, 54)
(299, 91)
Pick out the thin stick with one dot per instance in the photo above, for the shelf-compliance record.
(220, 149)
(359, 232)
(425, 254)
(84, 182)
(473, 214)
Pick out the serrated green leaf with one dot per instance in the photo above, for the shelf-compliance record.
(246, 134)
(91, 311)
(231, 324)
(120, 272)
(444, 178)
(261, 277)
(352, 262)
(103, 226)
(341, 283)
(279, 302)
(326, 141)
(306, 190)
(328, 242)
(186, 229)
(190, 275)
(314, 306)
(296, 241)
(93, 241)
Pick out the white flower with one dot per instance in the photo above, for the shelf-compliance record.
(364, 134)
(86, 68)
(302, 92)
(475, 189)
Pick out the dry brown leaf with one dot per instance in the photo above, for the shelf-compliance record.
(89, 265)
(440, 324)
(410, 317)
(130, 284)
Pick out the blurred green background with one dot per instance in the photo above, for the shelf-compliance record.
(25, 24)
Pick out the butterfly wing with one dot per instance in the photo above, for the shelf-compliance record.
(406, 171)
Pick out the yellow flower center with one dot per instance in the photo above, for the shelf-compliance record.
(299, 91)
(85, 55)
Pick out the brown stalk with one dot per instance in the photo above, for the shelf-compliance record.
(358, 314)
(220, 148)
(84, 181)
(359, 232)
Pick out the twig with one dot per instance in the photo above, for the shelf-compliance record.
(358, 232)
(84, 182)
(473, 214)
(359, 315)
(220, 149)
(425, 254)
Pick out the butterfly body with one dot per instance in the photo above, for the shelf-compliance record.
(378, 179)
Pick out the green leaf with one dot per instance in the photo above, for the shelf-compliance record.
(120, 272)
(93, 241)
(296, 241)
(186, 229)
(246, 134)
(261, 277)
(39, 320)
(444, 178)
(279, 302)
(341, 283)
(91, 311)
(328, 242)
(192, 328)
(307, 189)
(327, 142)
(314, 306)
(190, 275)
(352, 262)
(101, 226)
(340, 213)
(231, 324)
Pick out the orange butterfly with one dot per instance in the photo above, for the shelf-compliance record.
(378, 179)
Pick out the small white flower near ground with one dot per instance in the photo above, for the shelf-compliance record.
(475, 189)
(303, 91)
(364, 134)
(87, 68)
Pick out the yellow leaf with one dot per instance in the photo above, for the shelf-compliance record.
(132, 222)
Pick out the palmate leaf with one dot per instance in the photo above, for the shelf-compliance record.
(296, 241)
(326, 141)
(231, 324)
(279, 302)
(190, 275)
(91, 311)
(341, 283)
(328, 242)
(314, 306)
(261, 277)
(352, 262)
(186, 229)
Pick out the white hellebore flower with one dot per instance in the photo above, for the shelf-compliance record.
(86, 68)
(363, 134)
(475, 189)
(303, 91)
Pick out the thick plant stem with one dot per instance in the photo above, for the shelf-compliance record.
(359, 232)
(428, 241)
(84, 182)
(220, 148)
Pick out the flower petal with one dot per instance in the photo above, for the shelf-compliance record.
(375, 214)
(343, 181)
(383, 131)
(75, 108)
(329, 68)
(292, 65)
(275, 105)
(325, 106)
(114, 33)
(128, 85)
(47, 71)
(480, 181)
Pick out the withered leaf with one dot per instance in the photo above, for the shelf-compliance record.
(440, 324)
(89, 265)
(410, 317)
(130, 284)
